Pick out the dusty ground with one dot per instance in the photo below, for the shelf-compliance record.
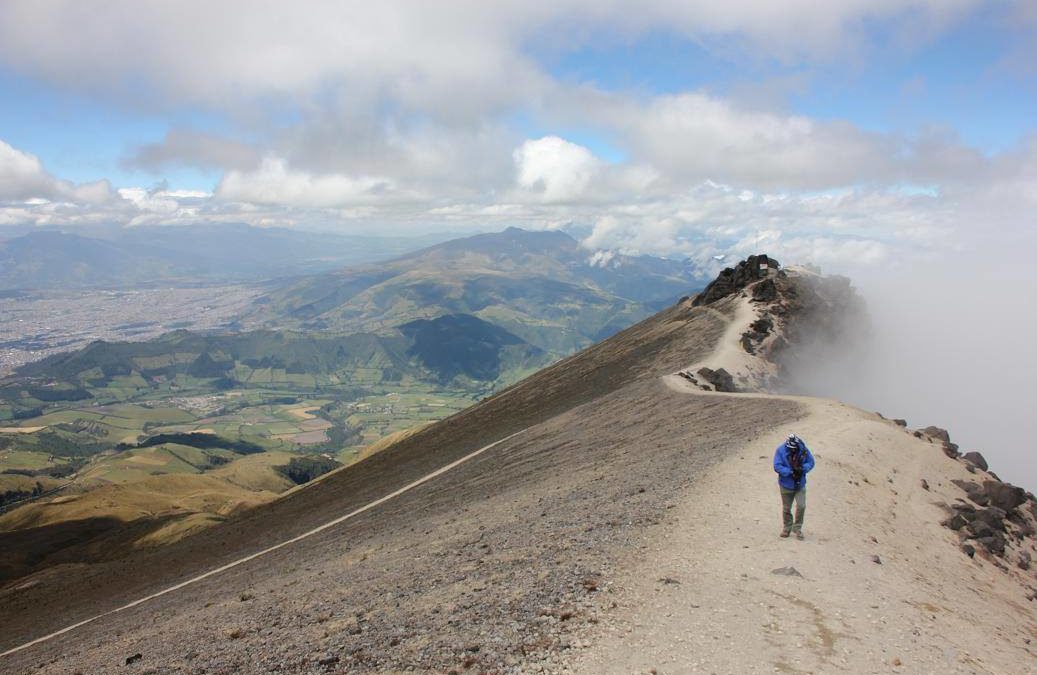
(927, 608)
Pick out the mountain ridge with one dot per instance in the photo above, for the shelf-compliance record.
(541, 285)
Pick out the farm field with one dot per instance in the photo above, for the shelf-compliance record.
(93, 446)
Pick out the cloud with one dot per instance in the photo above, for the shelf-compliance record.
(551, 169)
(274, 182)
(23, 178)
(420, 56)
(182, 147)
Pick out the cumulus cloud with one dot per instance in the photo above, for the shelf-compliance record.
(23, 178)
(554, 170)
(274, 182)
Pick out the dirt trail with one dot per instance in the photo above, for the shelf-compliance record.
(878, 586)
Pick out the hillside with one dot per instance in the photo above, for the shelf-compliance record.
(541, 286)
(615, 511)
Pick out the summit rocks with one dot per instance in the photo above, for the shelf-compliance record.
(734, 279)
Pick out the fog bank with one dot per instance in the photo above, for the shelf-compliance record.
(949, 344)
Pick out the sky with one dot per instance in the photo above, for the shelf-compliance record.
(893, 140)
(847, 134)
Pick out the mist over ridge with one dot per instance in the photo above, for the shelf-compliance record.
(945, 342)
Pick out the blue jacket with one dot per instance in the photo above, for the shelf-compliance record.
(784, 468)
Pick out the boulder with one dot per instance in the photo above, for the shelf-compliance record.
(719, 378)
(979, 529)
(1004, 496)
(992, 516)
(951, 450)
(976, 458)
(969, 550)
(956, 522)
(938, 433)
(975, 492)
(994, 543)
(900, 422)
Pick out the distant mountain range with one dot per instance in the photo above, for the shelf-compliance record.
(543, 287)
(125, 257)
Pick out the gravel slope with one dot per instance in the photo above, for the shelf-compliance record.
(491, 566)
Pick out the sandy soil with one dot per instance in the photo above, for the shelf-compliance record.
(927, 608)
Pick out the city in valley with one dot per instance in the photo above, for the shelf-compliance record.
(34, 324)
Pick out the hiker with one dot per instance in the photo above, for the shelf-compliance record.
(792, 462)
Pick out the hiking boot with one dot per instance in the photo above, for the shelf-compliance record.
(799, 535)
(784, 533)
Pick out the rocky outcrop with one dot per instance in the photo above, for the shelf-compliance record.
(733, 279)
(996, 517)
(976, 459)
(1004, 495)
(939, 434)
(758, 331)
(719, 378)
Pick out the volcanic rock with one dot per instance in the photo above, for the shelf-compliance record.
(993, 516)
(937, 433)
(719, 378)
(994, 543)
(765, 291)
(979, 529)
(733, 279)
(976, 459)
(976, 493)
(1004, 495)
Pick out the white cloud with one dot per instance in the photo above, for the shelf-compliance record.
(418, 54)
(551, 169)
(274, 182)
(23, 178)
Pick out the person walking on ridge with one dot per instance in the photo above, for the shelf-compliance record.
(792, 462)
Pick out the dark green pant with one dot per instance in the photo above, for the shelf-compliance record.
(787, 497)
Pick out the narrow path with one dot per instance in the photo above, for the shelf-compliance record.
(320, 528)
